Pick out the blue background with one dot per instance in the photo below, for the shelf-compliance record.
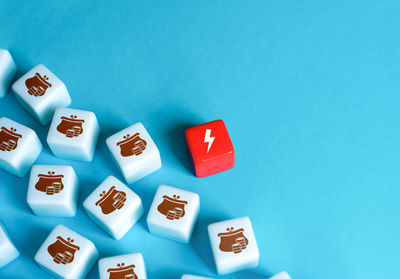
(309, 91)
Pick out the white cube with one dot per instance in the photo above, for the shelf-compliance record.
(19, 147)
(188, 276)
(73, 134)
(7, 71)
(8, 252)
(281, 275)
(124, 266)
(53, 190)
(66, 254)
(41, 92)
(114, 207)
(134, 152)
(173, 213)
(234, 245)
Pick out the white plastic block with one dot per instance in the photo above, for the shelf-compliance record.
(41, 93)
(7, 71)
(173, 213)
(233, 245)
(114, 207)
(73, 134)
(130, 266)
(19, 147)
(8, 252)
(281, 275)
(66, 254)
(134, 152)
(53, 190)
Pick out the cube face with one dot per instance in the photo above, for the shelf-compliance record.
(41, 92)
(7, 71)
(173, 213)
(66, 254)
(234, 245)
(124, 266)
(73, 134)
(114, 207)
(210, 148)
(53, 190)
(188, 276)
(8, 252)
(134, 152)
(19, 147)
(281, 275)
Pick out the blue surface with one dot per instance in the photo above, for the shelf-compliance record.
(309, 91)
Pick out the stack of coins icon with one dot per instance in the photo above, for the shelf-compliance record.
(171, 215)
(7, 146)
(57, 187)
(63, 258)
(50, 190)
(3, 146)
(242, 242)
(119, 201)
(74, 132)
(11, 145)
(77, 130)
(178, 212)
(70, 133)
(58, 258)
(236, 248)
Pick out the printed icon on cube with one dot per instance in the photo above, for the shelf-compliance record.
(73, 134)
(233, 245)
(8, 252)
(132, 145)
(41, 93)
(173, 213)
(134, 152)
(114, 207)
(50, 183)
(188, 276)
(9, 139)
(7, 71)
(172, 207)
(53, 190)
(124, 266)
(233, 240)
(19, 147)
(70, 126)
(210, 148)
(37, 85)
(281, 275)
(111, 200)
(66, 254)
(63, 251)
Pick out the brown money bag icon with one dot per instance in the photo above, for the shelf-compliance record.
(63, 251)
(50, 183)
(172, 208)
(122, 272)
(37, 85)
(233, 241)
(70, 126)
(111, 200)
(132, 145)
(8, 139)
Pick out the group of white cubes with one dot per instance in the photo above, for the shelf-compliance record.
(53, 189)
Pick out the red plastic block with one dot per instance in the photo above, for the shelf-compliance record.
(210, 148)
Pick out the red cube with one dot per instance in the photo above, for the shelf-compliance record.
(210, 148)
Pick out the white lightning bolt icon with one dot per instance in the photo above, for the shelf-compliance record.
(209, 139)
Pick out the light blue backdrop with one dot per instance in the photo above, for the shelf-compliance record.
(309, 91)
